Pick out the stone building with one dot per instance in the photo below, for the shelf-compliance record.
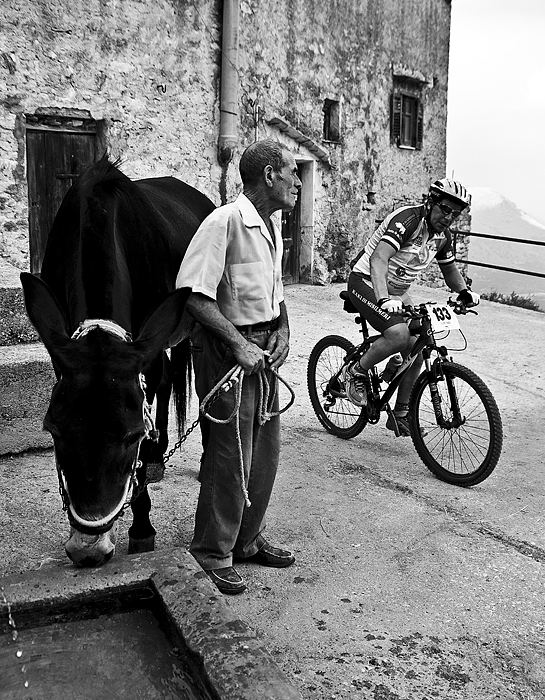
(356, 88)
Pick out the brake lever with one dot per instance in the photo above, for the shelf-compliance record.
(462, 310)
(459, 308)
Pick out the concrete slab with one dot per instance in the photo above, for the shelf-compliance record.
(404, 587)
(225, 656)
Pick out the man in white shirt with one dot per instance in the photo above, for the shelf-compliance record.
(234, 268)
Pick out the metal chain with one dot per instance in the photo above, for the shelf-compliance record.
(63, 498)
(188, 432)
(181, 440)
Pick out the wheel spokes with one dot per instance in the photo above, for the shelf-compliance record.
(459, 450)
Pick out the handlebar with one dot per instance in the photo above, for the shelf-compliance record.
(420, 310)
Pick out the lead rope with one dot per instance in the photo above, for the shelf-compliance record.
(233, 380)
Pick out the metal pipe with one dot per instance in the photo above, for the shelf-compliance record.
(499, 267)
(496, 238)
(228, 140)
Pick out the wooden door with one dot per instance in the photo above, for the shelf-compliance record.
(54, 160)
(291, 237)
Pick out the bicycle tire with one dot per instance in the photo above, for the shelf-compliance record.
(342, 418)
(467, 454)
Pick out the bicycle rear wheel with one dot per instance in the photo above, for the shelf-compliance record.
(465, 451)
(334, 410)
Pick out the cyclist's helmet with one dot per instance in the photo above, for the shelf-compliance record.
(451, 189)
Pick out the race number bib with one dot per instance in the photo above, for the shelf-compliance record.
(442, 318)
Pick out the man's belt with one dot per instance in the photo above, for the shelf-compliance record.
(259, 327)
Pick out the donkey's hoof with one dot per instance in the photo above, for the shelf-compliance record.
(146, 544)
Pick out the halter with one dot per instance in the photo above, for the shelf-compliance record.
(105, 523)
(111, 327)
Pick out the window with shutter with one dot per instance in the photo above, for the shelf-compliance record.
(407, 115)
(395, 121)
(420, 126)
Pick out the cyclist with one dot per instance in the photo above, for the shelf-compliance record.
(404, 245)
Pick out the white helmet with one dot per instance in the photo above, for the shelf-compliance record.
(451, 189)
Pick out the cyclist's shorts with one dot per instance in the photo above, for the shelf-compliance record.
(363, 297)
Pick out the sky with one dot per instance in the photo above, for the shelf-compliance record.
(496, 104)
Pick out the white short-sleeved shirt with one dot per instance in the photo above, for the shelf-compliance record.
(233, 260)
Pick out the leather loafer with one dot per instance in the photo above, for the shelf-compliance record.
(227, 580)
(270, 556)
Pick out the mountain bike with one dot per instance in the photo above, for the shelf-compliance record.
(455, 423)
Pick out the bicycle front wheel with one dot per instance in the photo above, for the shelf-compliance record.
(326, 389)
(466, 448)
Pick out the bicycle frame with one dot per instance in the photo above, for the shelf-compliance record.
(425, 344)
(453, 419)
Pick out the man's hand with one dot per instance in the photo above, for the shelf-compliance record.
(468, 298)
(278, 348)
(250, 357)
(392, 306)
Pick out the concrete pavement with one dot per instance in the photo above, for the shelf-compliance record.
(404, 587)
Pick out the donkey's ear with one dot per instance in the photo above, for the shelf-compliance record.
(162, 324)
(45, 313)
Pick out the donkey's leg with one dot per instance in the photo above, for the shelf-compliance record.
(141, 532)
(158, 386)
(163, 390)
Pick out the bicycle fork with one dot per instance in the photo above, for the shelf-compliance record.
(436, 374)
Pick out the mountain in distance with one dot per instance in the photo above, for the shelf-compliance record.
(493, 213)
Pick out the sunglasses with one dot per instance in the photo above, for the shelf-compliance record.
(449, 211)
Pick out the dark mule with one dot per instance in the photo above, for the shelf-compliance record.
(105, 308)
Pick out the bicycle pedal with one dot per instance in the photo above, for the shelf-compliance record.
(393, 420)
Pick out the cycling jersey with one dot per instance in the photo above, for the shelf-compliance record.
(405, 229)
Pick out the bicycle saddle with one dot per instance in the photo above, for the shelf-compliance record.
(348, 305)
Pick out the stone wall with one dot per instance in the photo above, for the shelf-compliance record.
(325, 51)
(150, 73)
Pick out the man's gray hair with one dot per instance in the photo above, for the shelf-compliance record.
(256, 158)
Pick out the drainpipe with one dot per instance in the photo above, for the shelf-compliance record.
(227, 141)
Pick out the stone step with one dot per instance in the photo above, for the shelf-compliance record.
(26, 381)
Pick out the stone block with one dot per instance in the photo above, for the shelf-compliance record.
(26, 381)
(15, 326)
(226, 658)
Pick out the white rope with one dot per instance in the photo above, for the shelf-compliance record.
(233, 380)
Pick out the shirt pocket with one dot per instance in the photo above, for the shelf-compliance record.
(247, 281)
